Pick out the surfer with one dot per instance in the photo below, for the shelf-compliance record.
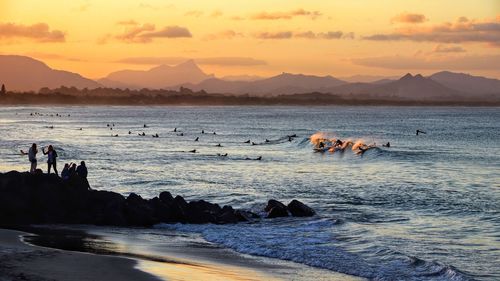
(129, 132)
(258, 158)
(202, 131)
(420, 132)
(175, 130)
(197, 139)
(219, 145)
(248, 141)
(388, 144)
(193, 151)
(267, 140)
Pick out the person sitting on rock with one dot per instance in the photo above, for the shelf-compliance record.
(72, 169)
(32, 157)
(65, 172)
(51, 158)
(81, 170)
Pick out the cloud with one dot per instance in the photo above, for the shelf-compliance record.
(221, 61)
(471, 62)
(409, 18)
(237, 18)
(194, 13)
(305, 35)
(39, 32)
(127, 22)
(226, 34)
(286, 15)
(448, 49)
(463, 30)
(147, 32)
(216, 14)
(274, 35)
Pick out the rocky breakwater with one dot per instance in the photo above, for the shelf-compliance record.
(42, 199)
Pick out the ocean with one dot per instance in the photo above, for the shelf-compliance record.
(427, 208)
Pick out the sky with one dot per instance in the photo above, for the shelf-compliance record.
(258, 37)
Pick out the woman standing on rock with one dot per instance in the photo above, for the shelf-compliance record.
(32, 157)
(51, 161)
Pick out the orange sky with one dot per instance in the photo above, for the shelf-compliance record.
(232, 37)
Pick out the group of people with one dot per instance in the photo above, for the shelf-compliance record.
(68, 171)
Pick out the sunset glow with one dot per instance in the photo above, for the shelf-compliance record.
(265, 38)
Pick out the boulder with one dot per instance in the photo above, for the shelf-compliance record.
(276, 209)
(299, 209)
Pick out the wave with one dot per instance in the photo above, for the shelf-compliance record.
(313, 243)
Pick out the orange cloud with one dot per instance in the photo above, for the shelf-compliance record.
(127, 22)
(409, 18)
(305, 35)
(463, 30)
(221, 61)
(286, 15)
(147, 32)
(448, 49)
(226, 34)
(472, 62)
(39, 32)
(194, 13)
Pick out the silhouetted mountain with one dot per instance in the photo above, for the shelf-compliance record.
(412, 87)
(285, 83)
(20, 73)
(476, 85)
(158, 77)
(242, 78)
(368, 78)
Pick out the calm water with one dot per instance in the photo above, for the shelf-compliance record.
(427, 208)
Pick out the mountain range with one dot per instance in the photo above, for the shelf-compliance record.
(21, 73)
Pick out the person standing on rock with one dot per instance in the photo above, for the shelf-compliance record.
(51, 161)
(32, 157)
(81, 170)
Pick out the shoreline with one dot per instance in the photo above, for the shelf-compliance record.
(128, 258)
(22, 261)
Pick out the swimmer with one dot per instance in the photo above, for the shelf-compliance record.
(248, 141)
(420, 132)
(129, 132)
(219, 145)
(202, 131)
(197, 139)
(267, 140)
(388, 144)
(258, 158)
(192, 151)
(175, 129)
(181, 134)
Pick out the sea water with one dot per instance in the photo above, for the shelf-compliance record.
(427, 208)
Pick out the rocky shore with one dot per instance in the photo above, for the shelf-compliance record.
(46, 199)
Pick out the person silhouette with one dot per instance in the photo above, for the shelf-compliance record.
(32, 157)
(51, 158)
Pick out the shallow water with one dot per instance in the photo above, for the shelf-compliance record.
(426, 208)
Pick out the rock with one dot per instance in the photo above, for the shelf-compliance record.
(277, 212)
(274, 203)
(299, 209)
(276, 209)
(40, 198)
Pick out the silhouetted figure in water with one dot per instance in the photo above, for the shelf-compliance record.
(219, 145)
(267, 140)
(388, 144)
(248, 141)
(81, 129)
(258, 158)
(115, 135)
(107, 125)
(197, 139)
(215, 133)
(293, 136)
(156, 136)
(222, 155)
(111, 129)
(51, 158)
(175, 130)
(145, 126)
(254, 143)
(202, 131)
(290, 139)
(32, 157)
(181, 134)
(193, 151)
(420, 132)
(129, 132)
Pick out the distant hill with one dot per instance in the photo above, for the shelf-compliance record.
(475, 85)
(158, 77)
(285, 83)
(368, 78)
(21, 73)
(242, 78)
(412, 87)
